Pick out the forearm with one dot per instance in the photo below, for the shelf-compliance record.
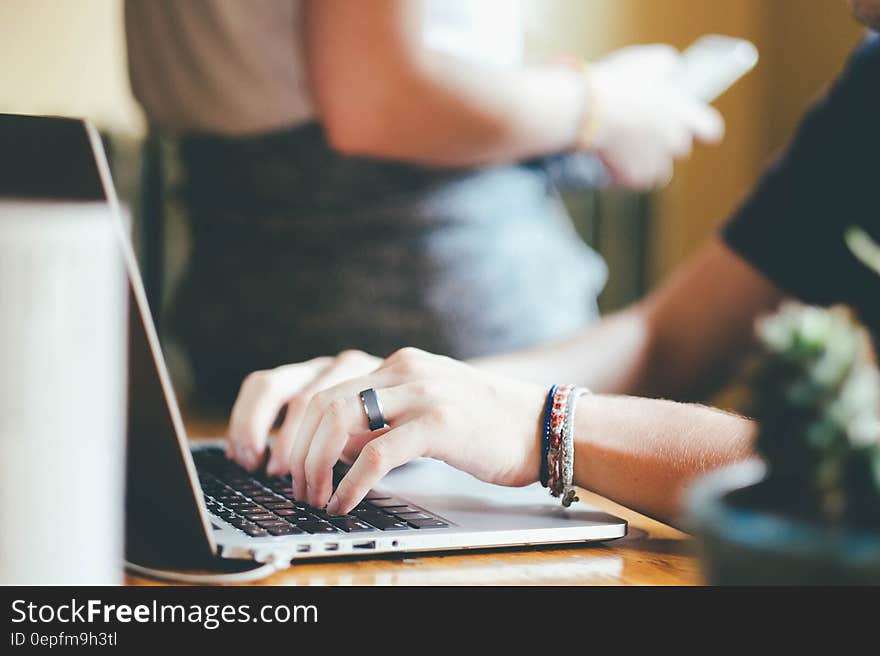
(681, 342)
(610, 356)
(642, 453)
(381, 93)
(455, 113)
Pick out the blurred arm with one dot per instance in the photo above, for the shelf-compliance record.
(680, 342)
(381, 94)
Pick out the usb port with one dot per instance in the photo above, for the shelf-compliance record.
(369, 544)
(303, 548)
(331, 546)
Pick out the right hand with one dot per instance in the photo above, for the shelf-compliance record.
(264, 394)
(434, 406)
(645, 122)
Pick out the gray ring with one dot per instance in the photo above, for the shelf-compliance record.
(373, 409)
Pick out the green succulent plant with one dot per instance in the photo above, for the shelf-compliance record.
(817, 402)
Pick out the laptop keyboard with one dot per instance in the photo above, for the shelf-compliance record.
(263, 506)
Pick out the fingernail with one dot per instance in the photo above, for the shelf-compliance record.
(333, 506)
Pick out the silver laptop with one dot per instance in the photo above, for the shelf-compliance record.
(187, 506)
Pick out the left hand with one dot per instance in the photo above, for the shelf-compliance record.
(434, 406)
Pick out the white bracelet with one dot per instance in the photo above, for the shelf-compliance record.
(569, 492)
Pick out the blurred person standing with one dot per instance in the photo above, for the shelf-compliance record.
(369, 174)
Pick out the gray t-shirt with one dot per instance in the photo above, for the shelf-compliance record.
(218, 66)
(238, 67)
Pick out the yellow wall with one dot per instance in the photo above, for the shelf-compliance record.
(66, 57)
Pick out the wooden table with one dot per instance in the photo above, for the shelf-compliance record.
(651, 554)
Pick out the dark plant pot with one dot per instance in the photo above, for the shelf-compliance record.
(743, 542)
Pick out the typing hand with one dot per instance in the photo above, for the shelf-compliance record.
(434, 406)
(264, 394)
(644, 121)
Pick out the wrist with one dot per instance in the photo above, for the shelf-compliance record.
(534, 401)
(591, 112)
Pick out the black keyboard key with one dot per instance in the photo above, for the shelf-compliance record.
(400, 510)
(374, 496)
(397, 526)
(286, 529)
(405, 517)
(255, 531)
(261, 498)
(241, 505)
(350, 524)
(279, 505)
(285, 512)
(318, 527)
(383, 521)
(301, 517)
(263, 517)
(251, 509)
(388, 502)
(433, 522)
(269, 523)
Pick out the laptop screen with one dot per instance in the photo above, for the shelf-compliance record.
(47, 159)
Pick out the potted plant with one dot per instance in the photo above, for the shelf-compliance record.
(809, 511)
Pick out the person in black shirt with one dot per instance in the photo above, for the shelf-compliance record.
(683, 340)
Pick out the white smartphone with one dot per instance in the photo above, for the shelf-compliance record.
(712, 64)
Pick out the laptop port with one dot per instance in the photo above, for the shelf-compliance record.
(303, 548)
(369, 544)
(331, 546)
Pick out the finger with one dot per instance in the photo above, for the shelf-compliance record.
(679, 143)
(378, 457)
(345, 417)
(704, 121)
(262, 395)
(355, 445)
(663, 175)
(636, 175)
(279, 460)
(315, 411)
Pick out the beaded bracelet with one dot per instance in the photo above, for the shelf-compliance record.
(557, 457)
(557, 419)
(545, 437)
